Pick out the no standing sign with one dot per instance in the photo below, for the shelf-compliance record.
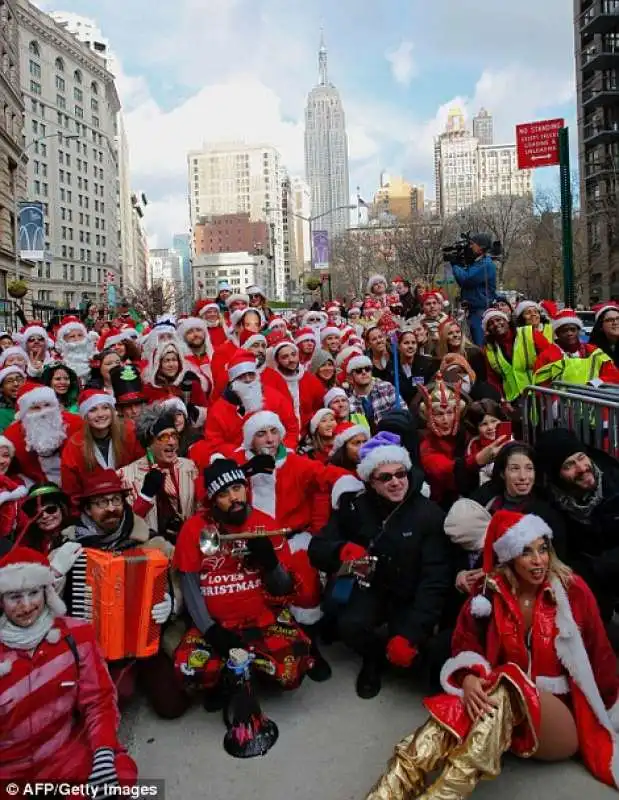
(537, 143)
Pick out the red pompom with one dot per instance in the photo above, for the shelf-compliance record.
(352, 552)
(400, 652)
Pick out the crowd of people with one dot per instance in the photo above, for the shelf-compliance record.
(186, 503)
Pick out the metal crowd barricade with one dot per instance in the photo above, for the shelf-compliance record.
(592, 413)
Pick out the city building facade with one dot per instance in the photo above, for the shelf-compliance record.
(233, 178)
(71, 110)
(301, 212)
(229, 233)
(326, 153)
(398, 199)
(12, 172)
(483, 127)
(240, 270)
(596, 29)
(181, 242)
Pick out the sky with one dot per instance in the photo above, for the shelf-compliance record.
(192, 71)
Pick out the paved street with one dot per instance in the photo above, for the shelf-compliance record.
(332, 746)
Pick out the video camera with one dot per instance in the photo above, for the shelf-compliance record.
(461, 253)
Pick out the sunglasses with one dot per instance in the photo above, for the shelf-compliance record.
(167, 437)
(362, 370)
(254, 296)
(385, 477)
(50, 509)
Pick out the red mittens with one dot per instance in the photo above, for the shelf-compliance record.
(400, 651)
(352, 552)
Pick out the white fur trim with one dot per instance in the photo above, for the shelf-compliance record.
(254, 339)
(54, 603)
(69, 327)
(558, 685)
(42, 394)
(263, 493)
(189, 323)
(558, 323)
(350, 433)
(318, 418)
(464, 660)
(5, 667)
(357, 362)
(101, 399)
(175, 404)
(332, 394)
(330, 330)
(512, 543)
(389, 454)
(53, 636)
(300, 542)
(4, 442)
(260, 421)
(35, 330)
(243, 368)
(342, 486)
(571, 652)
(305, 337)
(12, 370)
(613, 713)
(17, 577)
(426, 490)
(522, 306)
(480, 606)
(16, 494)
(606, 307)
(492, 313)
(237, 298)
(306, 616)
(373, 280)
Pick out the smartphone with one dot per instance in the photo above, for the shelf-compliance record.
(504, 429)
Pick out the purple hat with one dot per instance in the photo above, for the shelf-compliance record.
(384, 448)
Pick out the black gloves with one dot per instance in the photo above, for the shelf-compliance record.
(262, 553)
(223, 640)
(259, 465)
(153, 483)
(193, 412)
(188, 381)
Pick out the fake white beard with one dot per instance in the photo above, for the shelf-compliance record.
(77, 355)
(44, 431)
(216, 324)
(250, 394)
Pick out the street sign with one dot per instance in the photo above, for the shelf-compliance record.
(537, 143)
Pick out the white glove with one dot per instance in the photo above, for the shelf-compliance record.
(103, 771)
(63, 557)
(161, 611)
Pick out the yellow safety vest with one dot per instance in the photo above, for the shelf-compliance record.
(548, 333)
(516, 376)
(573, 370)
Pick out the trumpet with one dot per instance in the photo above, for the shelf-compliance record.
(211, 540)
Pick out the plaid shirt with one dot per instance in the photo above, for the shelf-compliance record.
(382, 398)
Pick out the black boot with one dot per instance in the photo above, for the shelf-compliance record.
(321, 671)
(369, 678)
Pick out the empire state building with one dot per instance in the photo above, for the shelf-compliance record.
(326, 153)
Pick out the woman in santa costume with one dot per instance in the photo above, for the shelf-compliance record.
(58, 712)
(532, 672)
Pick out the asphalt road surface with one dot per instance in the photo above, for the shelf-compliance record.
(332, 746)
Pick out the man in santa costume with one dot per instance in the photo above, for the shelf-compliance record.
(208, 310)
(532, 672)
(305, 340)
(37, 345)
(257, 344)
(194, 332)
(331, 339)
(39, 434)
(75, 347)
(570, 360)
(377, 289)
(236, 302)
(60, 718)
(287, 494)
(334, 314)
(246, 319)
(304, 388)
(244, 394)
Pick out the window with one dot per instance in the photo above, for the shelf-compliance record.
(94, 104)
(60, 101)
(77, 76)
(94, 87)
(89, 274)
(43, 150)
(35, 87)
(72, 272)
(71, 252)
(68, 195)
(62, 195)
(45, 190)
(60, 83)
(68, 159)
(61, 175)
(59, 64)
(34, 48)
(64, 251)
(95, 121)
(35, 69)
(79, 112)
(78, 94)
(82, 254)
(37, 187)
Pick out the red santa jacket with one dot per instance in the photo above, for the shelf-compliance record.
(219, 363)
(268, 377)
(437, 456)
(569, 655)
(307, 394)
(27, 462)
(54, 712)
(223, 432)
(217, 335)
(73, 469)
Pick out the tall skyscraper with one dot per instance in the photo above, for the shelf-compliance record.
(326, 153)
(234, 178)
(483, 127)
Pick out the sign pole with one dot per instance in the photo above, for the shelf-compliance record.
(566, 218)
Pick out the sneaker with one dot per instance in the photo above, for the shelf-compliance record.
(369, 679)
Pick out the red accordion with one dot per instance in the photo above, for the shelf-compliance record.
(116, 592)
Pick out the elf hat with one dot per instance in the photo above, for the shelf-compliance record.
(566, 317)
(508, 534)
(260, 421)
(90, 398)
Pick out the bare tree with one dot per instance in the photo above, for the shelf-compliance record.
(162, 297)
(418, 248)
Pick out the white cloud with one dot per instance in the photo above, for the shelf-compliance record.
(403, 67)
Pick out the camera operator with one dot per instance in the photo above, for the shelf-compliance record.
(477, 280)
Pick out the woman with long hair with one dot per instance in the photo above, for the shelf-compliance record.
(378, 352)
(105, 442)
(605, 333)
(100, 374)
(129, 351)
(318, 441)
(322, 366)
(169, 374)
(348, 440)
(532, 671)
(451, 339)
(415, 369)
(64, 382)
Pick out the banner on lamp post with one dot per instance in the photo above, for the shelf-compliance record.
(320, 249)
(31, 231)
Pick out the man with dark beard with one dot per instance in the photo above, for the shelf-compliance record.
(306, 391)
(244, 394)
(76, 348)
(235, 600)
(39, 434)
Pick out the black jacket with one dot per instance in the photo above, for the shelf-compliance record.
(414, 568)
(423, 370)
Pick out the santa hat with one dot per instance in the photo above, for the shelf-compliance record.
(333, 306)
(523, 305)
(384, 448)
(90, 398)
(34, 329)
(247, 339)
(508, 534)
(14, 370)
(23, 568)
(550, 307)
(357, 362)
(354, 310)
(69, 324)
(4, 442)
(332, 394)
(110, 338)
(283, 343)
(189, 323)
(602, 308)
(374, 279)
(176, 405)
(329, 331)
(237, 316)
(31, 393)
(346, 431)
(432, 295)
(278, 322)
(318, 418)
(241, 363)
(237, 298)
(492, 313)
(257, 290)
(348, 352)
(11, 351)
(319, 315)
(566, 317)
(304, 335)
(202, 306)
(260, 421)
